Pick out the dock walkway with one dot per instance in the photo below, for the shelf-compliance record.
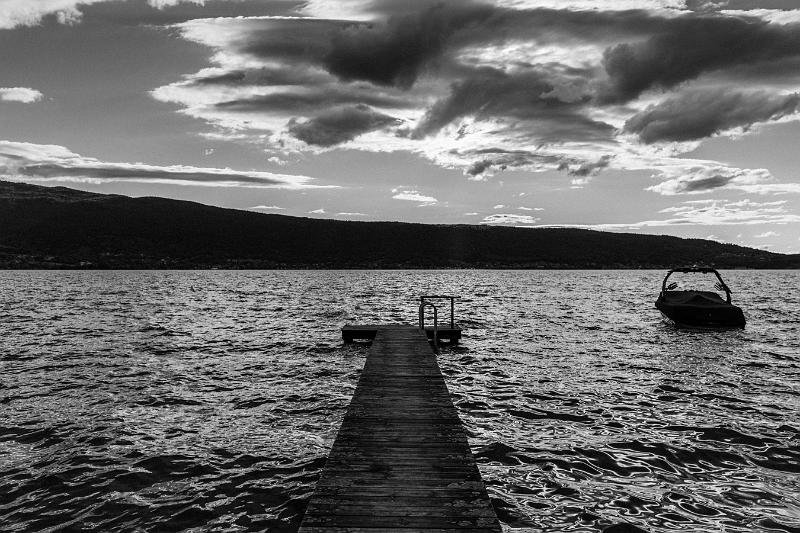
(401, 461)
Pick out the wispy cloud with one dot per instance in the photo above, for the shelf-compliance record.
(689, 179)
(23, 95)
(15, 13)
(772, 188)
(412, 195)
(512, 219)
(161, 4)
(715, 213)
(694, 213)
(52, 163)
(268, 207)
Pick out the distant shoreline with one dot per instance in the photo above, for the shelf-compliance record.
(65, 229)
(68, 268)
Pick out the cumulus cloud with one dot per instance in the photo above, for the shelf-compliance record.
(51, 163)
(702, 113)
(767, 234)
(20, 94)
(15, 13)
(268, 207)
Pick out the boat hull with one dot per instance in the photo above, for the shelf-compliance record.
(718, 317)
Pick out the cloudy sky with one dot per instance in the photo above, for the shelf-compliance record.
(655, 116)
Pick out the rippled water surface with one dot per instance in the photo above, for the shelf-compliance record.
(207, 401)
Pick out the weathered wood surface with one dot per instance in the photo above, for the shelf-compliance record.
(401, 461)
(350, 332)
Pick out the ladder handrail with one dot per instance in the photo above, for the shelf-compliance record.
(422, 307)
(452, 305)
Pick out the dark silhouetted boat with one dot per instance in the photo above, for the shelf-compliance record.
(698, 309)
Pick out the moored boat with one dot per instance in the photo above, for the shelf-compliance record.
(698, 308)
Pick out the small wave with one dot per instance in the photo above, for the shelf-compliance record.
(590, 414)
(723, 434)
(542, 414)
(166, 401)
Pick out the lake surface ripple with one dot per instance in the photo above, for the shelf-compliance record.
(207, 401)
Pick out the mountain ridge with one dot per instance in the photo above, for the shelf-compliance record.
(59, 227)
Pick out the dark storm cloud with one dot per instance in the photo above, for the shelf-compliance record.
(479, 168)
(397, 50)
(540, 81)
(495, 158)
(189, 176)
(394, 53)
(488, 92)
(706, 184)
(340, 125)
(702, 113)
(399, 45)
(284, 75)
(527, 95)
(586, 168)
(110, 172)
(35, 162)
(691, 46)
(314, 99)
(776, 72)
(292, 39)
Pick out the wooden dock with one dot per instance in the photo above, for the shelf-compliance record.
(401, 461)
(352, 332)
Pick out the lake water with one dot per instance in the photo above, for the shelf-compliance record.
(207, 401)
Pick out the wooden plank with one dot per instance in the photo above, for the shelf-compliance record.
(351, 332)
(312, 529)
(401, 460)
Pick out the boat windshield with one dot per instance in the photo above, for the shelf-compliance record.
(696, 281)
